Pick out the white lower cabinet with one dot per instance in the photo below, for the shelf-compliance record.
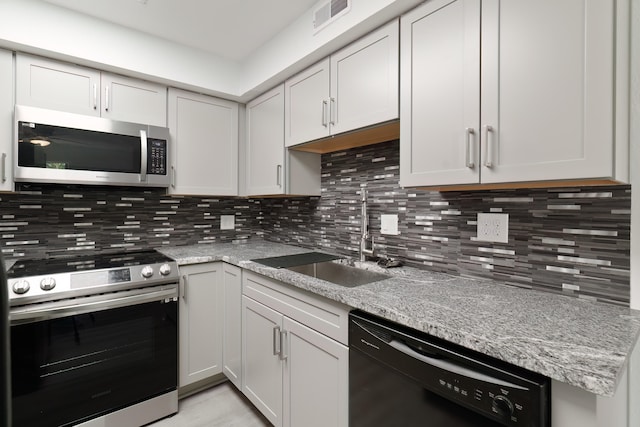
(262, 379)
(232, 329)
(315, 378)
(294, 374)
(200, 322)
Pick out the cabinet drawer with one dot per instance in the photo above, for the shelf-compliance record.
(325, 316)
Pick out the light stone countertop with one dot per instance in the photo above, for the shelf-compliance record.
(582, 343)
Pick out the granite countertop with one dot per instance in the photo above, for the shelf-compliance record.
(582, 343)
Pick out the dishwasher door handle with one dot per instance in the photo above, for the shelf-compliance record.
(451, 366)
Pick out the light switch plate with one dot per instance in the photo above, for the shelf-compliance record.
(493, 227)
(227, 222)
(389, 224)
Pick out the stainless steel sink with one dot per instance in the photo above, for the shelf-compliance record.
(339, 274)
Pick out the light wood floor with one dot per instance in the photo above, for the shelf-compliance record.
(219, 406)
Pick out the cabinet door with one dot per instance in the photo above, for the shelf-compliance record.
(204, 134)
(265, 144)
(364, 81)
(6, 120)
(200, 317)
(262, 373)
(232, 333)
(440, 63)
(132, 100)
(307, 105)
(316, 378)
(547, 89)
(64, 87)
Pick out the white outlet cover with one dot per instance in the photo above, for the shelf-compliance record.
(227, 222)
(389, 224)
(493, 227)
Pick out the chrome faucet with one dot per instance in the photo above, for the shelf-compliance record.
(364, 228)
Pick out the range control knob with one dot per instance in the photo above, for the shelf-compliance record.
(165, 269)
(147, 272)
(47, 283)
(502, 406)
(21, 287)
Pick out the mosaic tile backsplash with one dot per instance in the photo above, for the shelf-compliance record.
(573, 241)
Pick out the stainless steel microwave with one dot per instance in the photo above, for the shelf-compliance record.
(58, 147)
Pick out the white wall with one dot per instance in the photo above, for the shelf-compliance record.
(41, 28)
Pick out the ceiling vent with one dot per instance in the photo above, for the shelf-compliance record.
(328, 12)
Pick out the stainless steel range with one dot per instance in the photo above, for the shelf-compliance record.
(94, 339)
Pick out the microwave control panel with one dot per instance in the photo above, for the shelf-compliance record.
(157, 157)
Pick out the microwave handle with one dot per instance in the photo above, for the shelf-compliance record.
(143, 155)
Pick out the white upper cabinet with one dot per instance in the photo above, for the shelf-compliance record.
(271, 168)
(6, 120)
(307, 105)
(507, 91)
(265, 143)
(353, 88)
(364, 81)
(440, 86)
(58, 86)
(133, 100)
(204, 136)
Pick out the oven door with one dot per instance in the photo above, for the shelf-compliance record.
(71, 363)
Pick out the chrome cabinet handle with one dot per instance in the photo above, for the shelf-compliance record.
(95, 96)
(184, 287)
(488, 147)
(332, 111)
(173, 177)
(4, 167)
(283, 345)
(277, 342)
(324, 113)
(106, 98)
(279, 175)
(470, 151)
(143, 155)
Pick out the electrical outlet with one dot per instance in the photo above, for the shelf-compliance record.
(227, 222)
(493, 227)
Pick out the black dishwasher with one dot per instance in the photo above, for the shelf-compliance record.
(401, 377)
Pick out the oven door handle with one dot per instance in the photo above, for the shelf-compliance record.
(66, 308)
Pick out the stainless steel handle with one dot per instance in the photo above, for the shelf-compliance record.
(283, 345)
(95, 96)
(451, 366)
(4, 167)
(173, 177)
(324, 113)
(277, 342)
(332, 111)
(183, 294)
(470, 151)
(65, 308)
(143, 155)
(106, 98)
(279, 175)
(488, 147)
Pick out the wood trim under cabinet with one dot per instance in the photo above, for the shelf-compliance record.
(384, 132)
(527, 184)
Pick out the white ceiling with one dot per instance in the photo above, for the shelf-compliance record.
(231, 29)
